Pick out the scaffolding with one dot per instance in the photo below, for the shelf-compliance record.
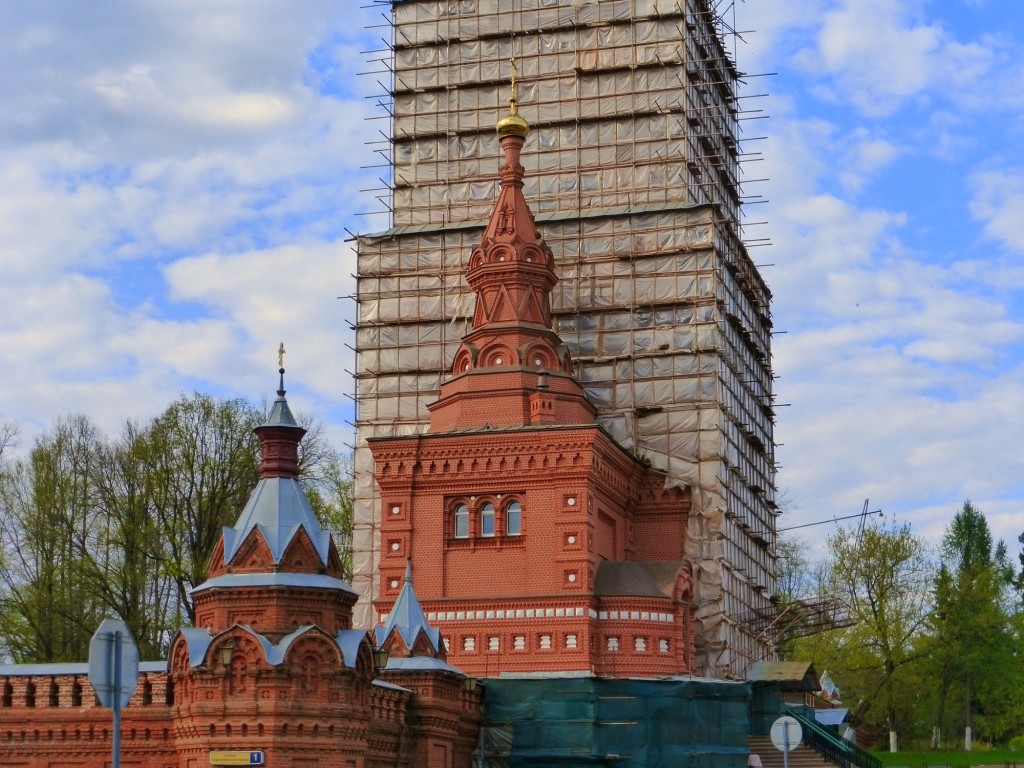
(633, 174)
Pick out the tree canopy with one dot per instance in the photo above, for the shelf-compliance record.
(972, 644)
(92, 526)
(934, 653)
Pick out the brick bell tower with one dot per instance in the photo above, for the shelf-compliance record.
(541, 544)
(272, 662)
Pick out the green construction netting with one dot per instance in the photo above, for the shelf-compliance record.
(558, 722)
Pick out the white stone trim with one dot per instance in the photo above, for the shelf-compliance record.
(665, 618)
(507, 613)
(546, 613)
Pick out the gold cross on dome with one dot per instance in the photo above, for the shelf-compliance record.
(514, 98)
(280, 356)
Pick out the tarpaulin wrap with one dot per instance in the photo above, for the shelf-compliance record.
(583, 721)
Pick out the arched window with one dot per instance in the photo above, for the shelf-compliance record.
(514, 519)
(462, 522)
(487, 519)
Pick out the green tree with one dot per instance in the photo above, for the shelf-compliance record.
(881, 574)
(128, 573)
(973, 642)
(795, 578)
(202, 458)
(330, 495)
(48, 520)
(91, 527)
(1018, 583)
(8, 436)
(800, 611)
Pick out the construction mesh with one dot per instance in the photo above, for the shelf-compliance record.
(587, 721)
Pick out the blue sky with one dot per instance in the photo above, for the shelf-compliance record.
(177, 180)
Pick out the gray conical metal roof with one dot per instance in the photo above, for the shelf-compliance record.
(280, 413)
(278, 507)
(407, 617)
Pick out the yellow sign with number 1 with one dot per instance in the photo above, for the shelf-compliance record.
(236, 757)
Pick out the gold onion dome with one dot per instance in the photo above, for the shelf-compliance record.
(513, 124)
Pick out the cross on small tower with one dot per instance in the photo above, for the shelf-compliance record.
(513, 98)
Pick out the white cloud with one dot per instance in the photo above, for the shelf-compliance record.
(165, 76)
(770, 32)
(901, 366)
(176, 179)
(197, 141)
(998, 202)
(880, 54)
(288, 294)
(866, 155)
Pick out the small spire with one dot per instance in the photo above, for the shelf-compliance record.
(408, 619)
(513, 123)
(280, 369)
(280, 413)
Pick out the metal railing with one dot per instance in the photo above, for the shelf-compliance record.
(831, 747)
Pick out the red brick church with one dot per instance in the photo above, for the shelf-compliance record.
(539, 545)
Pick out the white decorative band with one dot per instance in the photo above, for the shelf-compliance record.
(546, 613)
(517, 613)
(635, 616)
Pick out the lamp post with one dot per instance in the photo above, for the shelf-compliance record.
(226, 652)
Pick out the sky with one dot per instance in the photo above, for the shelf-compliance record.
(180, 181)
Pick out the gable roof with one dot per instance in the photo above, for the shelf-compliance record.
(791, 675)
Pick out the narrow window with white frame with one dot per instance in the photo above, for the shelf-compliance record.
(487, 519)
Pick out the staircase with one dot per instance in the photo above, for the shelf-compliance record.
(801, 757)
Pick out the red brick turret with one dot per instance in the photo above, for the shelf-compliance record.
(272, 662)
(511, 370)
(271, 569)
(542, 545)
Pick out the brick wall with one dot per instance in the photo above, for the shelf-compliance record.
(54, 720)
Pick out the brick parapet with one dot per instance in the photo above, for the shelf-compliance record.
(75, 729)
